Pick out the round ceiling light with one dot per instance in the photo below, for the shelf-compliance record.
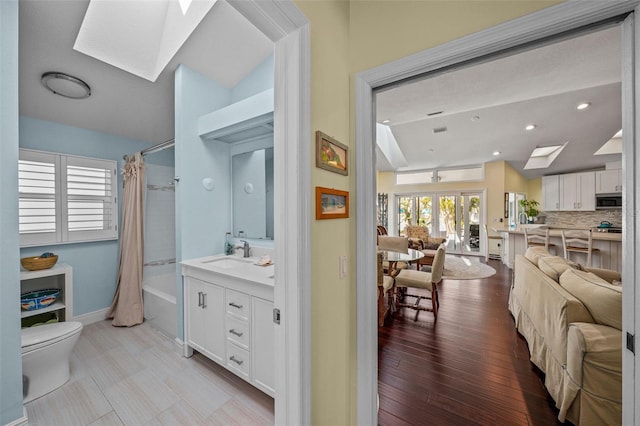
(65, 85)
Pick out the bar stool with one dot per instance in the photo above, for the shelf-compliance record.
(538, 237)
(579, 241)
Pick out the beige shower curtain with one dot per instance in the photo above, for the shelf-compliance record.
(126, 309)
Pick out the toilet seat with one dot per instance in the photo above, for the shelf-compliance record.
(34, 338)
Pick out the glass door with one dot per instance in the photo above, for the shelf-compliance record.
(459, 220)
(414, 210)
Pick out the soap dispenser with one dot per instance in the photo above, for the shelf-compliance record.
(228, 244)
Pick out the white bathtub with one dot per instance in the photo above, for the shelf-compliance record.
(159, 295)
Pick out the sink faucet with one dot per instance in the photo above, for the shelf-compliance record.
(245, 247)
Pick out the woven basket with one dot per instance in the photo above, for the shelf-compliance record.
(36, 263)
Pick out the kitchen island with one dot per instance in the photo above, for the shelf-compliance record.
(610, 245)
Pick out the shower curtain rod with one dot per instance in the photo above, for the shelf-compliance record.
(155, 148)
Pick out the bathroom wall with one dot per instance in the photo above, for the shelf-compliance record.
(95, 264)
(10, 356)
(203, 217)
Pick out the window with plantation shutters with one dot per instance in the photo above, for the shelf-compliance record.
(66, 199)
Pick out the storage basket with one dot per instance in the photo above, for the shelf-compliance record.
(36, 263)
(38, 299)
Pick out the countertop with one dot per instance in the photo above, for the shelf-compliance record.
(555, 232)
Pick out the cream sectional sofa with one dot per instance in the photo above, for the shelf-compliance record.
(572, 321)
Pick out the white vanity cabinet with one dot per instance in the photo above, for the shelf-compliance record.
(230, 320)
(204, 316)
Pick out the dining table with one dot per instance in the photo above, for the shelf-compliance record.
(393, 257)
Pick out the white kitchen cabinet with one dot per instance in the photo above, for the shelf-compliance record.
(204, 311)
(608, 181)
(578, 192)
(551, 193)
(59, 276)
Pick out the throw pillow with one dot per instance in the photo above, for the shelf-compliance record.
(602, 300)
(431, 246)
(535, 253)
(553, 266)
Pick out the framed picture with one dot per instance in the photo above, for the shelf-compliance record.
(331, 203)
(330, 154)
(506, 205)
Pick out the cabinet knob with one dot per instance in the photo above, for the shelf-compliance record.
(237, 333)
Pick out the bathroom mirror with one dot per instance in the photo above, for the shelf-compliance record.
(252, 193)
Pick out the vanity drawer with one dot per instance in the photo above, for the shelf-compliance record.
(238, 359)
(238, 304)
(238, 331)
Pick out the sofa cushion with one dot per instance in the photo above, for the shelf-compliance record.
(533, 254)
(554, 266)
(602, 300)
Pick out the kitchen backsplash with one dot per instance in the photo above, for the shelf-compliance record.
(583, 219)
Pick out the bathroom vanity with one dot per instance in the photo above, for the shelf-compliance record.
(228, 315)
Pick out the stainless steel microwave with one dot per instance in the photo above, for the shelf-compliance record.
(608, 201)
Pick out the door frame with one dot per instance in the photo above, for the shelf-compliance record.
(288, 28)
(531, 28)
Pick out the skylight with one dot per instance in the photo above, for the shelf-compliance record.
(140, 37)
(612, 146)
(542, 157)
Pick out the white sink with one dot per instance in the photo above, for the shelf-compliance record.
(228, 262)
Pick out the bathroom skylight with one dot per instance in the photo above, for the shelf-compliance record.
(140, 37)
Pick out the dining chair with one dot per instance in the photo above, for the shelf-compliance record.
(538, 237)
(579, 241)
(409, 278)
(397, 244)
(385, 290)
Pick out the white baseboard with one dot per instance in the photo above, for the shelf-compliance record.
(179, 346)
(22, 421)
(91, 317)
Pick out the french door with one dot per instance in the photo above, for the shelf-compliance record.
(459, 221)
(456, 216)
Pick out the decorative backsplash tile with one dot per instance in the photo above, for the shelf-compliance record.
(583, 219)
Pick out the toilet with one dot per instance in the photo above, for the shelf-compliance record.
(45, 356)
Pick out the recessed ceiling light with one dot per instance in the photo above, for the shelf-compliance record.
(584, 105)
(496, 153)
(65, 85)
(530, 127)
(386, 121)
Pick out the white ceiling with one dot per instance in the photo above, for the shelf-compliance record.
(225, 47)
(542, 86)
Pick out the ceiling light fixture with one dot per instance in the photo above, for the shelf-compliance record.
(530, 127)
(65, 85)
(584, 105)
(496, 153)
(386, 121)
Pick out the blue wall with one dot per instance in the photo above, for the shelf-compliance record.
(10, 354)
(95, 264)
(258, 80)
(203, 217)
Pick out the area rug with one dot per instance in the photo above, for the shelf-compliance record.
(465, 268)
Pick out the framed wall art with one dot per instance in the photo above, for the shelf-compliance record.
(330, 154)
(331, 203)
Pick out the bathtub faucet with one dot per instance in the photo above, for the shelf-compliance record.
(245, 247)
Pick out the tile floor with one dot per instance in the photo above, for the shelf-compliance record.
(133, 376)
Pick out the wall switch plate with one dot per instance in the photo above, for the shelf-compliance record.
(342, 267)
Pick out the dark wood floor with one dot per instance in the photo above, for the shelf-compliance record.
(468, 367)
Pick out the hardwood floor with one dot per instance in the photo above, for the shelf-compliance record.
(468, 367)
